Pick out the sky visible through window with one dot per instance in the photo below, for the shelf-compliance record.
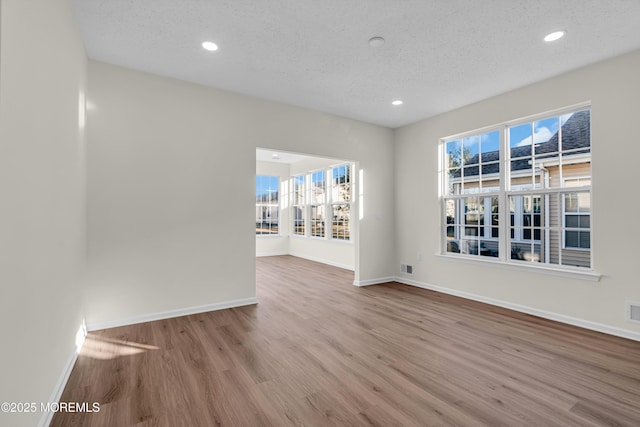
(465, 149)
(266, 185)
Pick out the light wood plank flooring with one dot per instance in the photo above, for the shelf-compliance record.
(317, 351)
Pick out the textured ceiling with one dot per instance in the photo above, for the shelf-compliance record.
(438, 55)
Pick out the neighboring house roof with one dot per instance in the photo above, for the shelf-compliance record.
(576, 136)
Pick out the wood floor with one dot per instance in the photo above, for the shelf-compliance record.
(317, 351)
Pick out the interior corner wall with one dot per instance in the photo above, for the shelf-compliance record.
(275, 245)
(42, 248)
(171, 189)
(613, 87)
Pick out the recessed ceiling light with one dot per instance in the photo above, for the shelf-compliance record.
(211, 46)
(275, 156)
(376, 41)
(397, 102)
(551, 37)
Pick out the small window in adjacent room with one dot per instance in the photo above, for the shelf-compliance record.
(267, 205)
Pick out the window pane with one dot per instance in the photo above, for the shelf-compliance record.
(471, 174)
(572, 221)
(520, 138)
(584, 202)
(454, 154)
(490, 177)
(298, 189)
(471, 210)
(571, 203)
(526, 252)
(490, 147)
(577, 202)
(317, 221)
(273, 188)
(341, 184)
(545, 135)
(470, 150)
(454, 181)
(522, 173)
(550, 153)
(298, 221)
(576, 133)
(453, 245)
(340, 222)
(450, 211)
(585, 221)
(318, 187)
(572, 239)
(469, 246)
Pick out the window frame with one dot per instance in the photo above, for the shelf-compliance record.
(506, 191)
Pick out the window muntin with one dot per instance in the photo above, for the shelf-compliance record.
(543, 221)
(267, 205)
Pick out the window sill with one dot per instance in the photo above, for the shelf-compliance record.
(268, 236)
(568, 272)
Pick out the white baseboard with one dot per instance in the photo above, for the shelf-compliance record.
(594, 326)
(169, 314)
(376, 281)
(277, 253)
(47, 417)
(324, 261)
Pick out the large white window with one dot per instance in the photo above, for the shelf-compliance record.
(267, 205)
(521, 192)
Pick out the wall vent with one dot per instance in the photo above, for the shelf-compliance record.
(633, 312)
(406, 269)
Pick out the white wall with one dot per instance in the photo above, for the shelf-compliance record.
(275, 245)
(613, 87)
(165, 155)
(42, 220)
